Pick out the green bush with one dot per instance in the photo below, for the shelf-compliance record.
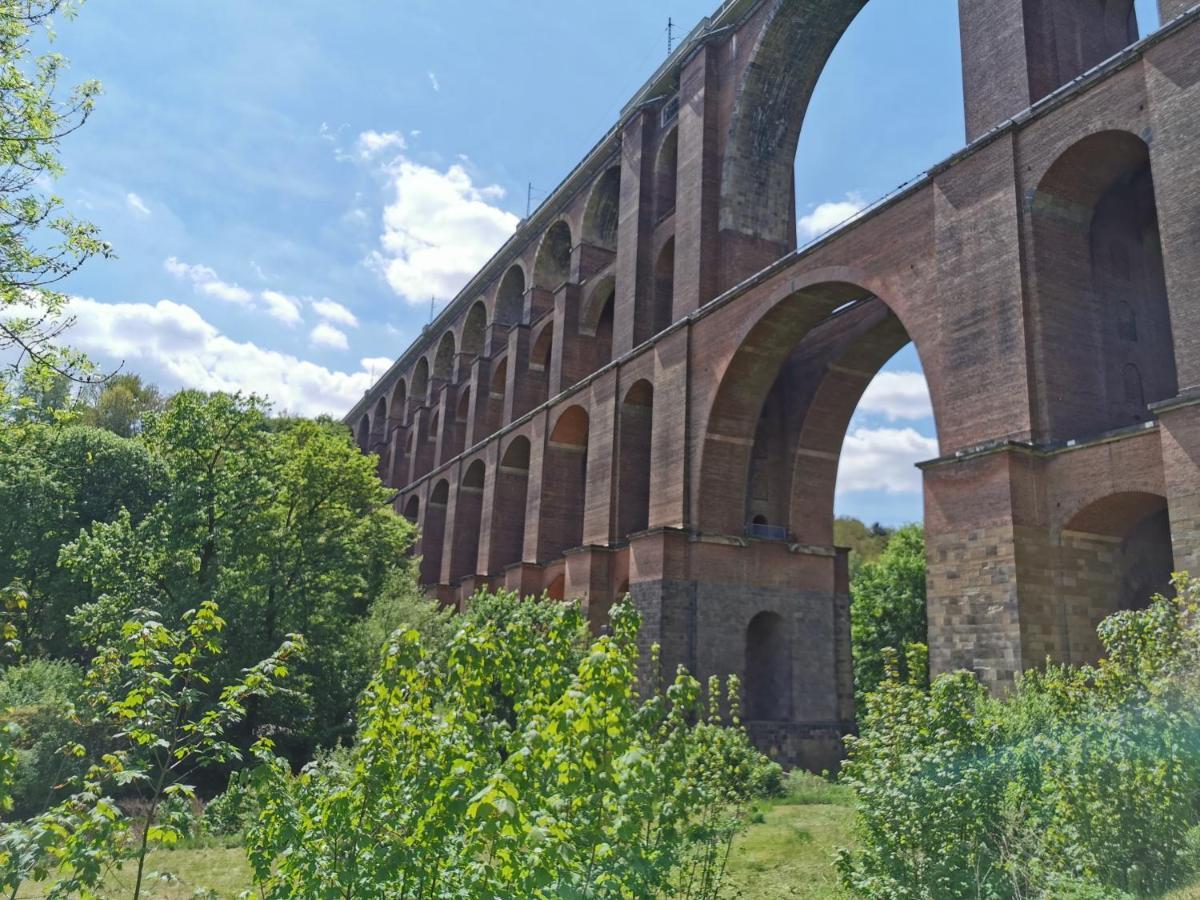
(517, 761)
(40, 699)
(1083, 783)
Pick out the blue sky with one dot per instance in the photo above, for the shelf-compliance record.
(286, 185)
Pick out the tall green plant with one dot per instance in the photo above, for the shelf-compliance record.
(522, 762)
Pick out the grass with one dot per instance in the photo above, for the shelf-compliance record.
(786, 853)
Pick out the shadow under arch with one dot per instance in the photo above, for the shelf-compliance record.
(801, 343)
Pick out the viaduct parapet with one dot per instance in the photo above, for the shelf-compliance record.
(647, 389)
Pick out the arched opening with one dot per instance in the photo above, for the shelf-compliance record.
(462, 412)
(497, 390)
(474, 329)
(597, 321)
(666, 175)
(768, 681)
(633, 460)
(539, 361)
(664, 287)
(412, 509)
(363, 434)
(443, 360)
(512, 497)
(510, 298)
(434, 536)
(1101, 328)
(379, 435)
(553, 266)
(468, 512)
(420, 381)
(564, 485)
(602, 216)
(1117, 551)
(399, 403)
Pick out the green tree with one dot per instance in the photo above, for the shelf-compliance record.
(887, 607)
(865, 542)
(288, 529)
(40, 244)
(122, 403)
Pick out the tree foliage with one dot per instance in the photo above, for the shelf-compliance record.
(888, 608)
(1084, 782)
(521, 762)
(40, 244)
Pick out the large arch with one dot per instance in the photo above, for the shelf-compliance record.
(474, 330)
(443, 360)
(512, 498)
(596, 321)
(420, 381)
(564, 485)
(1101, 332)
(362, 435)
(468, 512)
(399, 402)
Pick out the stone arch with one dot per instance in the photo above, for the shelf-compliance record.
(564, 485)
(541, 352)
(399, 402)
(1099, 291)
(512, 498)
(510, 296)
(666, 174)
(379, 425)
(420, 381)
(497, 390)
(664, 287)
(635, 432)
(412, 509)
(755, 369)
(553, 265)
(468, 514)
(1064, 38)
(474, 330)
(443, 360)
(1117, 550)
(362, 435)
(433, 535)
(602, 214)
(768, 682)
(596, 320)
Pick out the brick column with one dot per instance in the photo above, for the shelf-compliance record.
(1180, 421)
(697, 242)
(598, 525)
(635, 272)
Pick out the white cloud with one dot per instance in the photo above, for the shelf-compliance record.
(325, 335)
(172, 345)
(827, 216)
(376, 365)
(372, 143)
(284, 308)
(332, 311)
(433, 81)
(884, 459)
(898, 395)
(208, 282)
(137, 204)
(439, 229)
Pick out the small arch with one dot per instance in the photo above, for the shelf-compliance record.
(760, 519)
(666, 175)
(565, 469)
(553, 266)
(664, 287)
(420, 380)
(468, 515)
(363, 433)
(379, 425)
(463, 410)
(510, 298)
(474, 329)
(635, 434)
(597, 319)
(433, 535)
(540, 355)
(512, 498)
(443, 360)
(399, 404)
(768, 669)
(412, 509)
(601, 218)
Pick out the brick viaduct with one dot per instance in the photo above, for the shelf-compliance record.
(647, 388)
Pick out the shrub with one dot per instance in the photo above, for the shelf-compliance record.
(1083, 783)
(519, 762)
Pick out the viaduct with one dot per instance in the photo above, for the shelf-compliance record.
(646, 390)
